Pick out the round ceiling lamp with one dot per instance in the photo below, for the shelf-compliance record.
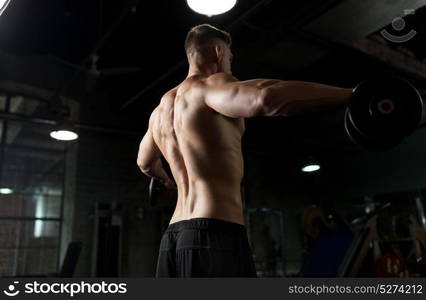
(64, 131)
(310, 165)
(211, 7)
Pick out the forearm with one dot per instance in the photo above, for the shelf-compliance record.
(156, 171)
(293, 98)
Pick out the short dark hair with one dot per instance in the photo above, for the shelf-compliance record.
(203, 35)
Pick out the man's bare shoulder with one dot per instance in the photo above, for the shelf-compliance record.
(169, 95)
(219, 79)
(165, 101)
(196, 87)
(207, 81)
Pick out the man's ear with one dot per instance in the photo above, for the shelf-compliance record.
(218, 51)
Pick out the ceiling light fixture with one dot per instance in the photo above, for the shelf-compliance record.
(211, 7)
(310, 165)
(6, 191)
(311, 168)
(64, 131)
(64, 135)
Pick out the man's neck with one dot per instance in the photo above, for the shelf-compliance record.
(205, 70)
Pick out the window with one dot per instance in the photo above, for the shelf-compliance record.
(32, 168)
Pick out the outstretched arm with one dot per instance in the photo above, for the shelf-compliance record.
(270, 97)
(293, 98)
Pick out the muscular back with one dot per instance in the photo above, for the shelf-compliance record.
(203, 149)
(198, 127)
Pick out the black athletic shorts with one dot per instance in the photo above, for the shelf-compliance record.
(205, 247)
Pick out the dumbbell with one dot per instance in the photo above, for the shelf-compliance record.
(154, 190)
(382, 112)
(157, 190)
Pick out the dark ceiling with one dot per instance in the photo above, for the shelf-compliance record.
(140, 50)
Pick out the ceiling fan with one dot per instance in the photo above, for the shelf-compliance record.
(95, 71)
(91, 67)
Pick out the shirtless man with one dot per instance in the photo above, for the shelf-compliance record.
(197, 127)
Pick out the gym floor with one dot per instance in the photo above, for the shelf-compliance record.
(82, 208)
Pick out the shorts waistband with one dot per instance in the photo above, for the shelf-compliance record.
(206, 223)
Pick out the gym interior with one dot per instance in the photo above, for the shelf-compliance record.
(318, 202)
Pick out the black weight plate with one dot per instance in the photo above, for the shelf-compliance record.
(371, 123)
(375, 144)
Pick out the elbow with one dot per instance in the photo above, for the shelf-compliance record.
(143, 166)
(261, 105)
(266, 104)
(270, 103)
